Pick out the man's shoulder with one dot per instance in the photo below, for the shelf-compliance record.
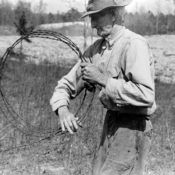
(131, 36)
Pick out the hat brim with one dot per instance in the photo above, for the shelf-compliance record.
(94, 12)
(97, 11)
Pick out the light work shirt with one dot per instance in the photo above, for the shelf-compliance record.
(126, 58)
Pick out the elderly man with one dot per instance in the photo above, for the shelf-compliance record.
(122, 66)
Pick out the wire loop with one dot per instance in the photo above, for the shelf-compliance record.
(13, 117)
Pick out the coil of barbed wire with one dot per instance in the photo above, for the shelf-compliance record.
(7, 109)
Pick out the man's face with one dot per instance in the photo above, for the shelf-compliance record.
(103, 22)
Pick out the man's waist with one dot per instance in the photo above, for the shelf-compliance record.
(132, 121)
(128, 109)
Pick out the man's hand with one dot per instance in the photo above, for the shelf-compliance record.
(67, 120)
(92, 74)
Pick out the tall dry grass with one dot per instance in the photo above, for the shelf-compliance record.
(28, 87)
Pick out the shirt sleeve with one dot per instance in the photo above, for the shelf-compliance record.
(67, 88)
(137, 86)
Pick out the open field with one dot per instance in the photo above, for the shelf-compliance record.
(40, 50)
(28, 83)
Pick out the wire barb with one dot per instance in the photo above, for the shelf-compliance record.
(13, 117)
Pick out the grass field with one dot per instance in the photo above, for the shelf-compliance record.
(28, 83)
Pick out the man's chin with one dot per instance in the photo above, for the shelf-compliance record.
(102, 34)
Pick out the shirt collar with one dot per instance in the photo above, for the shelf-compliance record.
(115, 34)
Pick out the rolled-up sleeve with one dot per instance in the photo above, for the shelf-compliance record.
(71, 84)
(137, 86)
(66, 88)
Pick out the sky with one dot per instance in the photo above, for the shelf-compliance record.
(137, 5)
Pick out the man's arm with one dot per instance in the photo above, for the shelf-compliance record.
(68, 87)
(137, 88)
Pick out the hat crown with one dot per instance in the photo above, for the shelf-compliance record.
(94, 5)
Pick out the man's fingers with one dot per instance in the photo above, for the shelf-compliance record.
(84, 78)
(68, 127)
(70, 123)
(87, 79)
(80, 124)
(75, 124)
(87, 84)
(83, 70)
(62, 126)
(82, 65)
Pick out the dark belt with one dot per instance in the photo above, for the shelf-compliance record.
(131, 121)
(127, 116)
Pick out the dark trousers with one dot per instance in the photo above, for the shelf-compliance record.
(125, 144)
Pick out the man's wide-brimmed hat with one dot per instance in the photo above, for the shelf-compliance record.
(96, 6)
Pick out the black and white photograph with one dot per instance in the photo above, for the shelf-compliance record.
(87, 87)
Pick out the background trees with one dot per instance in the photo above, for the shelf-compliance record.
(142, 21)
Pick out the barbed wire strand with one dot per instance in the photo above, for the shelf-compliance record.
(16, 120)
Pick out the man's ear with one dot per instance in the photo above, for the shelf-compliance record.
(113, 15)
(113, 18)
